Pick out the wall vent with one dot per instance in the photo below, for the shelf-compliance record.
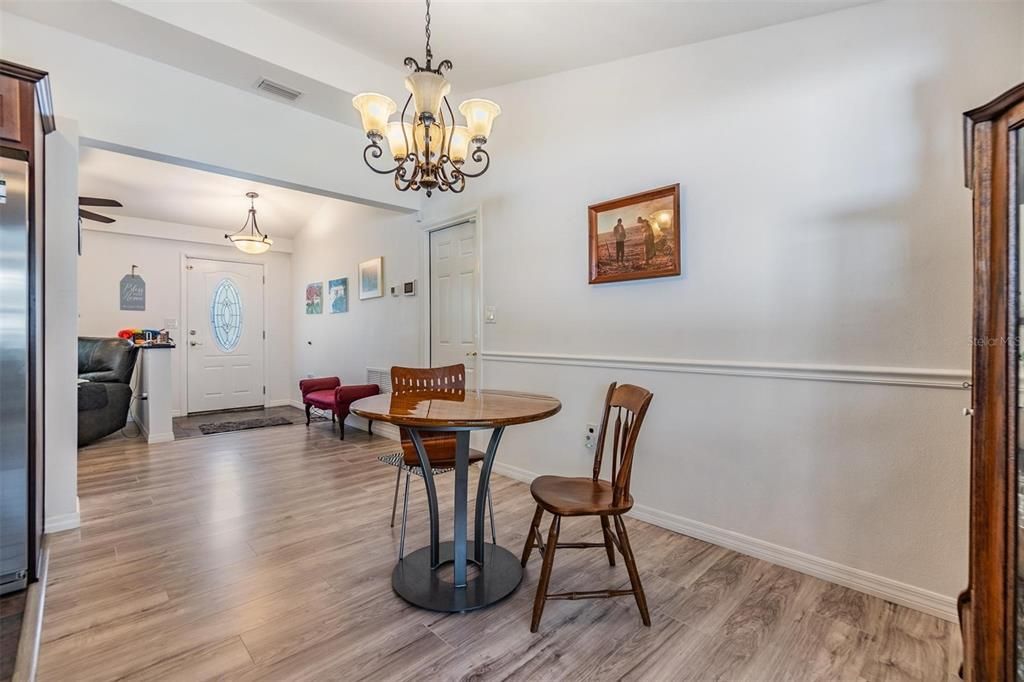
(278, 90)
(379, 376)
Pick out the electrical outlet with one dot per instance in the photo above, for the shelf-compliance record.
(590, 439)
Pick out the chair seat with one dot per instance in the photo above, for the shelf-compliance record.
(323, 399)
(577, 496)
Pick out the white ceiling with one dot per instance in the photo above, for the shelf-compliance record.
(493, 42)
(161, 191)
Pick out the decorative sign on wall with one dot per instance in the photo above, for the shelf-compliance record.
(133, 291)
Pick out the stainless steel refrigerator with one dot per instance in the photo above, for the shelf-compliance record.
(15, 338)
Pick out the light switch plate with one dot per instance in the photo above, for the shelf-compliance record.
(490, 315)
(170, 323)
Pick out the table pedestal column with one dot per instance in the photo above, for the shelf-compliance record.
(416, 577)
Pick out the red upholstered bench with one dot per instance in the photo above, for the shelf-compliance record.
(327, 393)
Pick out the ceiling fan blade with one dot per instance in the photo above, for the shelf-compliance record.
(93, 201)
(89, 215)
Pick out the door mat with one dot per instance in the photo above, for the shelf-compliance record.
(243, 425)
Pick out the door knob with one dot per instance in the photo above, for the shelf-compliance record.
(194, 343)
(471, 355)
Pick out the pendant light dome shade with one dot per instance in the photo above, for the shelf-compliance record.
(249, 239)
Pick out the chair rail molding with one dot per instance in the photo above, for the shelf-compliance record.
(850, 374)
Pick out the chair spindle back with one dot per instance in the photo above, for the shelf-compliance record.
(630, 403)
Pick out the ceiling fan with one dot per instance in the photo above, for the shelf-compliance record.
(93, 201)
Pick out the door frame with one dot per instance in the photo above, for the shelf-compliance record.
(474, 216)
(183, 320)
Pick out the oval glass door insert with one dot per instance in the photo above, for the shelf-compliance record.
(226, 315)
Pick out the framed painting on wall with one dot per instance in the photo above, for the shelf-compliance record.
(635, 237)
(371, 284)
(337, 295)
(314, 298)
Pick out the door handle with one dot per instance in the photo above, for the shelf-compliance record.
(194, 343)
(471, 355)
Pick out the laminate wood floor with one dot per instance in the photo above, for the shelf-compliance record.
(267, 554)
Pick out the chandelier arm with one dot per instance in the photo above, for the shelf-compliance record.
(374, 149)
(479, 155)
(457, 181)
(400, 177)
(451, 115)
(401, 122)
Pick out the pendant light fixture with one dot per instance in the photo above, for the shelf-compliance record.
(249, 239)
(429, 149)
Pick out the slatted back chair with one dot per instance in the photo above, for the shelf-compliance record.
(440, 447)
(562, 496)
(437, 383)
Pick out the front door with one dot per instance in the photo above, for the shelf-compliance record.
(453, 298)
(224, 335)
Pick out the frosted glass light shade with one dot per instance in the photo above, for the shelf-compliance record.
(459, 143)
(397, 140)
(480, 115)
(251, 244)
(374, 110)
(428, 89)
(436, 141)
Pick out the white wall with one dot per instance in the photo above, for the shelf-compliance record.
(61, 347)
(825, 223)
(378, 332)
(107, 257)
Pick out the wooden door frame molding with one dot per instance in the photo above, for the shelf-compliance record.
(474, 216)
(183, 324)
(987, 606)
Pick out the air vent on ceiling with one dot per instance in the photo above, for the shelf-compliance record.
(278, 90)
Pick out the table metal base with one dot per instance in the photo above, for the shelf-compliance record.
(414, 581)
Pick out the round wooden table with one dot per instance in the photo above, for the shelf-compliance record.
(416, 577)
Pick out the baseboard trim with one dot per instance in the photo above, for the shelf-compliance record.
(61, 522)
(926, 601)
(26, 660)
(279, 402)
(847, 374)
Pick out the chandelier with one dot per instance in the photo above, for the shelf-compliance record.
(249, 239)
(428, 148)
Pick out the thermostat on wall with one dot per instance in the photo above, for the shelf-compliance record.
(409, 288)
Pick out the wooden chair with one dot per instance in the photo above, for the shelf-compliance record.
(592, 496)
(440, 447)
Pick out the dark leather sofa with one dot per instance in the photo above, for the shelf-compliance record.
(103, 402)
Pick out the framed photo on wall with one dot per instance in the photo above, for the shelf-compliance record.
(337, 295)
(371, 281)
(636, 237)
(314, 298)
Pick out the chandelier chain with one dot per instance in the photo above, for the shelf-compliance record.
(427, 31)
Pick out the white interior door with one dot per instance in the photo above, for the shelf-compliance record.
(453, 299)
(224, 335)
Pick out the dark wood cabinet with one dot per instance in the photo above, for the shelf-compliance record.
(991, 606)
